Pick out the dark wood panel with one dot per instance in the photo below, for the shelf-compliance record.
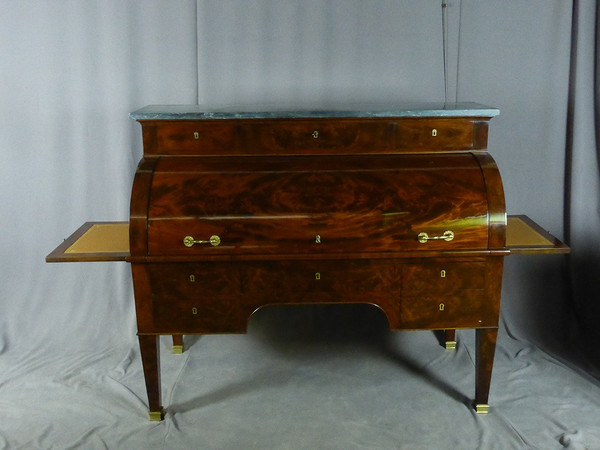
(459, 309)
(495, 200)
(316, 205)
(138, 209)
(434, 134)
(269, 137)
(311, 136)
(220, 297)
(443, 277)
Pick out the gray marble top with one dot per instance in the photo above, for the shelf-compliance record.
(312, 111)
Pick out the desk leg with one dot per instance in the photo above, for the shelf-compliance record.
(177, 343)
(151, 361)
(484, 361)
(450, 339)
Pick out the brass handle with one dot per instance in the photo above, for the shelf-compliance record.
(214, 240)
(424, 237)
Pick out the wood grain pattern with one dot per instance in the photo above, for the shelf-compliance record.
(219, 297)
(495, 200)
(360, 204)
(297, 137)
(138, 210)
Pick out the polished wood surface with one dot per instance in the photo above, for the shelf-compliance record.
(355, 205)
(312, 136)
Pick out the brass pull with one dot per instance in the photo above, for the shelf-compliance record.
(424, 237)
(214, 240)
(315, 134)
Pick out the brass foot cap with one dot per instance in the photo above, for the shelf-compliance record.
(156, 416)
(450, 345)
(482, 408)
(177, 349)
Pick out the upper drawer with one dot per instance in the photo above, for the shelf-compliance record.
(270, 137)
(317, 205)
(316, 136)
(437, 134)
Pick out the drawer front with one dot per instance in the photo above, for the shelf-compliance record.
(444, 294)
(277, 137)
(317, 205)
(443, 277)
(461, 309)
(316, 136)
(320, 137)
(190, 138)
(439, 134)
(220, 297)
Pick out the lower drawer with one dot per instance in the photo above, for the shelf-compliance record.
(462, 309)
(220, 296)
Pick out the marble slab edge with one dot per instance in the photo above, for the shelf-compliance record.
(274, 111)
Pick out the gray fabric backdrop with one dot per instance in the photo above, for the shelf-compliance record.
(71, 71)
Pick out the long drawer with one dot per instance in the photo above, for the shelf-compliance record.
(298, 137)
(217, 297)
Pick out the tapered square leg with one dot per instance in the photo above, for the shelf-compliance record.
(149, 349)
(484, 361)
(450, 339)
(177, 344)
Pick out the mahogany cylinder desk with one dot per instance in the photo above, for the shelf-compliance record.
(234, 209)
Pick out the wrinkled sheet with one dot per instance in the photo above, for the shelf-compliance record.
(301, 378)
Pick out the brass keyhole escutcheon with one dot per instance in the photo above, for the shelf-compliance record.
(442, 306)
(443, 274)
(315, 134)
(196, 135)
(194, 311)
(434, 132)
(317, 276)
(192, 278)
(318, 239)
